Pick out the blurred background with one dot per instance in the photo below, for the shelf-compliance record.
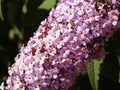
(20, 18)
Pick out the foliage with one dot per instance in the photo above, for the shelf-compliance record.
(1, 16)
(20, 18)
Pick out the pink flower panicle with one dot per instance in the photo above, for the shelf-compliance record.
(71, 36)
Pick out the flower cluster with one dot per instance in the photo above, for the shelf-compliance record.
(73, 34)
(114, 2)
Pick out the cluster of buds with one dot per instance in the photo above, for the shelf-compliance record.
(73, 34)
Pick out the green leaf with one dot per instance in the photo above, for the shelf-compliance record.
(17, 32)
(119, 71)
(93, 73)
(24, 8)
(47, 4)
(1, 14)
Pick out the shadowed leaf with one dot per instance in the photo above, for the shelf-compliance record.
(11, 11)
(18, 33)
(119, 71)
(1, 14)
